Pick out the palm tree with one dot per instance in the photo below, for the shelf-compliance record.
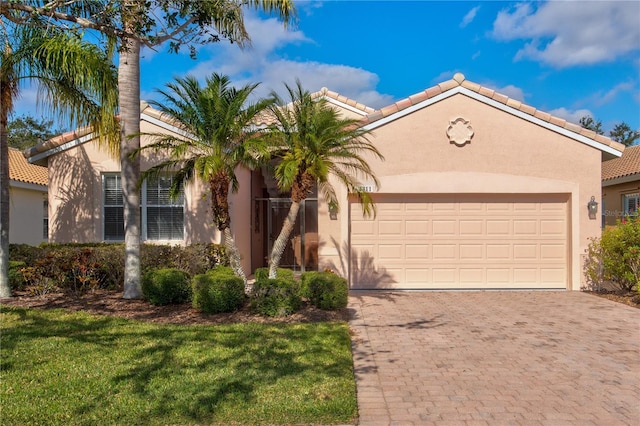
(219, 138)
(77, 82)
(312, 143)
(136, 23)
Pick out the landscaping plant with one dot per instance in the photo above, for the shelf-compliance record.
(277, 297)
(219, 290)
(325, 290)
(165, 286)
(615, 256)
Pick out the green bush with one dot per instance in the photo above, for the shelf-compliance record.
(25, 253)
(283, 273)
(217, 291)
(277, 297)
(221, 270)
(165, 286)
(81, 267)
(615, 256)
(325, 290)
(16, 277)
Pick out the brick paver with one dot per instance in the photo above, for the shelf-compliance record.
(495, 358)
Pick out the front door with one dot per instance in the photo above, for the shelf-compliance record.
(302, 251)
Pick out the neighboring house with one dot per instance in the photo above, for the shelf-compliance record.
(621, 186)
(28, 210)
(477, 191)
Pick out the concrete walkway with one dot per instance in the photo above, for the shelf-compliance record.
(495, 358)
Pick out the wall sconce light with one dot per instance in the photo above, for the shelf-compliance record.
(592, 206)
(333, 211)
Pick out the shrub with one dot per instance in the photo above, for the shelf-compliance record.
(25, 253)
(615, 256)
(217, 291)
(325, 290)
(277, 297)
(81, 267)
(165, 286)
(16, 278)
(283, 273)
(193, 259)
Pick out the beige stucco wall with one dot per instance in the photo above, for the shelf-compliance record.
(612, 200)
(26, 214)
(507, 154)
(75, 195)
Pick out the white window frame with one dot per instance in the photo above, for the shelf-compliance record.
(629, 200)
(179, 202)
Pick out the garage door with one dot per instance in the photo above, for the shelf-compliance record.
(460, 242)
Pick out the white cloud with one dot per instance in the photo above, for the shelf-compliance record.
(469, 17)
(567, 33)
(572, 116)
(263, 63)
(611, 94)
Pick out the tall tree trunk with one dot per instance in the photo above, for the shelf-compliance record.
(5, 288)
(234, 255)
(129, 89)
(281, 242)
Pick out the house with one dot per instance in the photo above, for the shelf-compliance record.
(621, 186)
(477, 191)
(28, 208)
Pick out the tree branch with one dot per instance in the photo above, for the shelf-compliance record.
(5, 7)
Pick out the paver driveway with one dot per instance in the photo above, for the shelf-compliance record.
(491, 358)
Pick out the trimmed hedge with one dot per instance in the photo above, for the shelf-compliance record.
(219, 290)
(16, 277)
(277, 297)
(80, 267)
(263, 274)
(165, 286)
(325, 290)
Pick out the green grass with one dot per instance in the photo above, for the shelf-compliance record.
(71, 368)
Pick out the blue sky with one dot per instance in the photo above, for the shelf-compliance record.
(568, 58)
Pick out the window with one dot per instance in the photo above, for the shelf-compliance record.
(113, 217)
(45, 220)
(162, 216)
(630, 204)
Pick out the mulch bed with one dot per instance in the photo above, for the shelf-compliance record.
(105, 302)
(627, 297)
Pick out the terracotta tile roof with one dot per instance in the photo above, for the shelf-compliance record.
(20, 170)
(338, 97)
(266, 118)
(459, 80)
(627, 165)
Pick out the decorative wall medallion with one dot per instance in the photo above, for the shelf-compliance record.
(459, 131)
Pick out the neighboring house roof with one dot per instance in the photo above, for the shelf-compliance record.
(21, 171)
(459, 84)
(623, 169)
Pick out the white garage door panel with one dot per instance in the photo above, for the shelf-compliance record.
(450, 241)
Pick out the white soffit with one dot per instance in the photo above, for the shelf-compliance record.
(345, 106)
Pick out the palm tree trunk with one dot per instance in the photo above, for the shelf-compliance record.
(5, 288)
(129, 89)
(281, 242)
(234, 255)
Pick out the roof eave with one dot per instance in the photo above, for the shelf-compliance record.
(621, 179)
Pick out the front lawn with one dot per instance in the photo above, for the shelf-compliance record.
(70, 368)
